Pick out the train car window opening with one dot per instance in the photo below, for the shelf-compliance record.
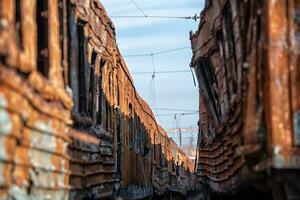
(72, 72)
(208, 76)
(118, 94)
(81, 66)
(18, 23)
(63, 37)
(106, 114)
(91, 98)
(245, 25)
(42, 37)
(231, 60)
(93, 58)
(61, 21)
(94, 86)
(100, 91)
(229, 28)
(130, 127)
(224, 66)
(110, 84)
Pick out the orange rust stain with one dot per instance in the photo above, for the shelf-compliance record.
(21, 176)
(279, 76)
(9, 146)
(22, 156)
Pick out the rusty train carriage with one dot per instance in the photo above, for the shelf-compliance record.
(72, 125)
(246, 56)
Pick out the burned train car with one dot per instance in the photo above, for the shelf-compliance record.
(246, 57)
(72, 125)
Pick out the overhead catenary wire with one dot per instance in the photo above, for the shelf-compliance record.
(139, 8)
(161, 72)
(145, 15)
(157, 53)
(166, 115)
(195, 17)
(179, 110)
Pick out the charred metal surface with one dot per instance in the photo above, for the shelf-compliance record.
(246, 57)
(72, 125)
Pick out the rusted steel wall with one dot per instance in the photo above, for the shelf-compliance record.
(72, 125)
(245, 54)
(35, 111)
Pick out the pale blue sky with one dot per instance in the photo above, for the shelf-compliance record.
(144, 36)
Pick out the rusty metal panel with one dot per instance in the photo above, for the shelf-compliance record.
(253, 50)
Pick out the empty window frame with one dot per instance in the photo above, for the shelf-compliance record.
(42, 37)
(207, 79)
(63, 37)
(100, 93)
(94, 81)
(231, 52)
(108, 115)
(82, 68)
(130, 125)
(18, 23)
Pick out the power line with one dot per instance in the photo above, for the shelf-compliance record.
(172, 109)
(139, 8)
(157, 53)
(183, 129)
(162, 72)
(193, 113)
(195, 17)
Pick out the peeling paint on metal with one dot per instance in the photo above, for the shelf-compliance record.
(39, 159)
(18, 193)
(3, 153)
(2, 178)
(6, 125)
(45, 141)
